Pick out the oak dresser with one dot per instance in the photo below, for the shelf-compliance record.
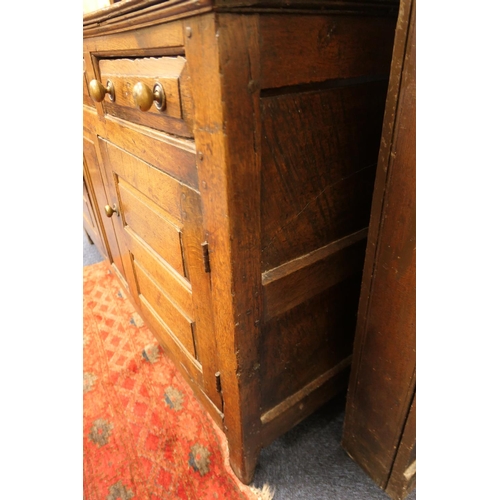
(229, 159)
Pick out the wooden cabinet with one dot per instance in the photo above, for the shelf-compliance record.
(237, 144)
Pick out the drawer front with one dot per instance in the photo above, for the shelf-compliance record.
(128, 75)
(158, 222)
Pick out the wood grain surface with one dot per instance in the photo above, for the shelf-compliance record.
(382, 384)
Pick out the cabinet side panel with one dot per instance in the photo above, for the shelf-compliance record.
(306, 49)
(319, 153)
(323, 89)
(307, 341)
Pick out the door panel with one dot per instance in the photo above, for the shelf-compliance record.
(160, 233)
(89, 221)
(151, 223)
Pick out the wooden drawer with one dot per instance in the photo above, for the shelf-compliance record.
(169, 72)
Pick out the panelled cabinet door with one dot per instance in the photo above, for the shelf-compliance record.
(158, 223)
(94, 173)
(89, 218)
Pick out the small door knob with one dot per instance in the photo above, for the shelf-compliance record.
(110, 210)
(98, 91)
(144, 96)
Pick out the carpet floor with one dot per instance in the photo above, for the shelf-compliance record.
(145, 434)
(307, 462)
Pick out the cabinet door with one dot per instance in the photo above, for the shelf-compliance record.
(89, 218)
(94, 177)
(159, 228)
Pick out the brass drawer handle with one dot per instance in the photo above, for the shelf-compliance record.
(144, 96)
(110, 210)
(98, 91)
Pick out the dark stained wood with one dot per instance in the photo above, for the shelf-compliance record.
(306, 390)
(358, 45)
(404, 471)
(301, 279)
(382, 382)
(316, 187)
(340, 6)
(132, 14)
(242, 247)
(303, 403)
(227, 135)
(300, 345)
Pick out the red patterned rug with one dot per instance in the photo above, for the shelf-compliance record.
(145, 434)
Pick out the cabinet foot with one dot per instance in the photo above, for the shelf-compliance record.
(243, 463)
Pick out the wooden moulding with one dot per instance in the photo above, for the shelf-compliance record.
(143, 14)
(168, 154)
(296, 281)
(169, 71)
(170, 340)
(133, 14)
(160, 36)
(305, 392)
(171, 315)
(168, 279)
(304, 402)
(152, 224)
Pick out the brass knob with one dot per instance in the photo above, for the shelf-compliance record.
(144, 96)
(98, 91)
(110, 210)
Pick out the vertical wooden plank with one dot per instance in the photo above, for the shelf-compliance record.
(95, 221)
(206, 346)
(404, 472)
(223, 52)
(382, 380)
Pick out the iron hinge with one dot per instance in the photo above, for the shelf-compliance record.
(206, 256)
(217, 382)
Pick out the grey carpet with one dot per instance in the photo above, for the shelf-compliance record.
(307, 463)
(90, 253)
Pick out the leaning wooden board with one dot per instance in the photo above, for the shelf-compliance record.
(236, 206)
(380, 420)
